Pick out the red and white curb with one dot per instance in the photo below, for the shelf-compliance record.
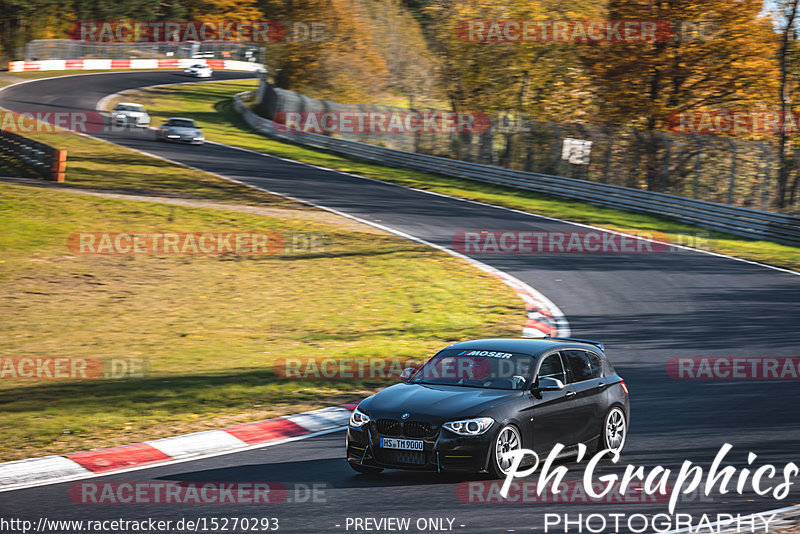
(51, 469)
(110, 64)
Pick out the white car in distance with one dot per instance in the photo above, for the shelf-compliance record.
(130, 114)
(199, 71)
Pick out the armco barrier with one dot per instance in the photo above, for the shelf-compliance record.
(733, 220)
(106, 64)
(44, 160)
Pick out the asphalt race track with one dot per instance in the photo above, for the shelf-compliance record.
(647, 308)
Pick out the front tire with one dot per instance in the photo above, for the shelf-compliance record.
(615, 430)
(507, 439)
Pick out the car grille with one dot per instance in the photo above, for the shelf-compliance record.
(409, 429)
(401, 457)
(389, 427)
(415, 429)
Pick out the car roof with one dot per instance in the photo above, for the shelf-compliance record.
(180, 119)
(130, 104)
(533, 346)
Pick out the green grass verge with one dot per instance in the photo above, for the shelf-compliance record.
(95, 164)
(210, 105)
(211, 326)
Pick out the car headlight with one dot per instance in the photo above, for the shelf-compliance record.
(358, 418)
(174, 136)
(470, 427)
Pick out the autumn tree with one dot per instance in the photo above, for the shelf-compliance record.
(342, 63)
(787, 17)
(227, 10)
(542, 79)
(25, 20)
(715, 55)
(412, 68)
(718, 54)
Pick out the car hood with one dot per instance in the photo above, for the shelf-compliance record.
(131, 113)
(430, 402)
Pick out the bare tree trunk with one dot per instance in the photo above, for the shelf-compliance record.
(785, 99)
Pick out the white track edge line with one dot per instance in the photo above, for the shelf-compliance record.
(513, 210)
(435, 193)
(562, 323)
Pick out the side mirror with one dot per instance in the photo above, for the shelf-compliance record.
(549, 384)
(407, 373)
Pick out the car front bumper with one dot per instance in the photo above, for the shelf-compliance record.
(184, 140)
(442, 450)
(122, 120)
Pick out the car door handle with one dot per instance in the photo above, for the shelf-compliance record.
(570, 394)
(601, 385)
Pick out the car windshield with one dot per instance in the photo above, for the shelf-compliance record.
(198, 66)
(129, 107)
(181, 123)
(489, 369)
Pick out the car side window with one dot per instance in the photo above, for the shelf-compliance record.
(553, 368)
(596, 364)
(579, 366)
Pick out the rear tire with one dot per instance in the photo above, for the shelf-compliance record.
(365, 469)
(615, 430)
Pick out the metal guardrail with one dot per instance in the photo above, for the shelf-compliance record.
(714, 168)
(44, 160)
(730, 219)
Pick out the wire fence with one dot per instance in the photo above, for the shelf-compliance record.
(705, 167)
(43, 49)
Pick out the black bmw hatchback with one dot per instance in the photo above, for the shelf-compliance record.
(475, 400)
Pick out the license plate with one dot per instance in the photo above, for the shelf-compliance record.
(404, 444)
